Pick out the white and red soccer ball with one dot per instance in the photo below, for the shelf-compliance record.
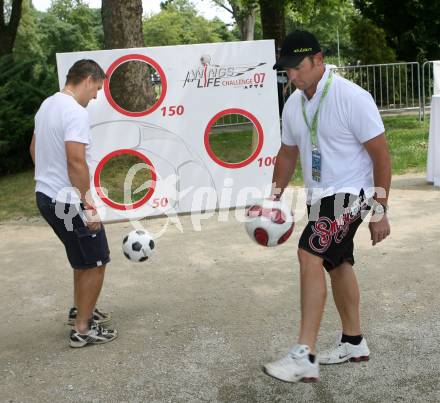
(269, 222)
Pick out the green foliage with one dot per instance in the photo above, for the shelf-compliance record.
(258, 30)
(241, 10)
(412, 26)
(178, 23)
(328, 19)
(22, 89)
(69, 26)
(29, 76)
(28, 43)
(221, 29)
(369, 43)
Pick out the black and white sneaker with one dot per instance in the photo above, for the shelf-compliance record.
(99, 317)
(96, 335)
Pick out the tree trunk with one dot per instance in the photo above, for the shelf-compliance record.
(8, 32)
(272, 20)
(122, 23)
(131, 84)
(244, 13)
(247, 27)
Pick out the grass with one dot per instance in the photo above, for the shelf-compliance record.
(17, 196)
(232, 147)
(408, 140)
(114, 175)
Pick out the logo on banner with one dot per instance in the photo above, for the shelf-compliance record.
(208, 74)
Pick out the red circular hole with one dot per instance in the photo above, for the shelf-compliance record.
(112, 203)
(127, 58)
(257, 150)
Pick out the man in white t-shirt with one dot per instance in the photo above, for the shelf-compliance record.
(336, 128)
(58, 149)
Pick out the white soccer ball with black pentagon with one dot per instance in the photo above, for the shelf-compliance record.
(269, 222)
(138, 245)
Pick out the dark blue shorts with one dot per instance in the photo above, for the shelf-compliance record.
(333, 222)
(85, 249)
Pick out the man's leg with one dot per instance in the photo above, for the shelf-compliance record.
(352, 346)
(313, 296)
(346, 296)
(75, 289)
(299, 364)
(87, 287)
(75, 286)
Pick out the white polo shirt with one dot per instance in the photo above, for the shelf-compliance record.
(59, 119)
(347, 118)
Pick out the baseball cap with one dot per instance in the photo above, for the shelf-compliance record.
(296, 46)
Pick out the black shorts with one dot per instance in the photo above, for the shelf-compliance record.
(85, 249)
(333, 222)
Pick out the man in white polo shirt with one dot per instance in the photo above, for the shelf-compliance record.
(58, 149)
(336, 128)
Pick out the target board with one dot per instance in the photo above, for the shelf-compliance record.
(203, 136)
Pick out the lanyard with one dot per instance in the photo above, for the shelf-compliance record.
(313, 130)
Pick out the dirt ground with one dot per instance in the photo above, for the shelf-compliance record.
(199, 319)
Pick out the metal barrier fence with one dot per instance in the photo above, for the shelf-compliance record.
(232, 121)
(395, 87)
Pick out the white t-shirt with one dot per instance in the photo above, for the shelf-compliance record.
(59, 119)
(347, 118)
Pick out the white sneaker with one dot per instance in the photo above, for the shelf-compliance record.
(295, 366)
(95, 335)
(345, 352)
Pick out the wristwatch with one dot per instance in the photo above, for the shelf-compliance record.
(380, 208)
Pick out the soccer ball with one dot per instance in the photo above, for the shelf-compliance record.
(138, 245)
(269, 222)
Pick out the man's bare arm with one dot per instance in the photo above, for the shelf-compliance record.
(78, 171)
(377, 148)
(32, 148)
(284, 168)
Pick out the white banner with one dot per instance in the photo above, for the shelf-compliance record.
(199, 90)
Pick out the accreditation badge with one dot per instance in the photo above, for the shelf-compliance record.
(316, 165)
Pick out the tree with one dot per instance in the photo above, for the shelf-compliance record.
(122, 22)
(412, 26)
(272, 20)
(28, 75)
(369, 43)
(9, 26)
(131, 84)
(244, 13)
(329, 20)
(69, 26)
(29, 40)
(22, 88)
(178, 24)
(220, 29)
(86, 20)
